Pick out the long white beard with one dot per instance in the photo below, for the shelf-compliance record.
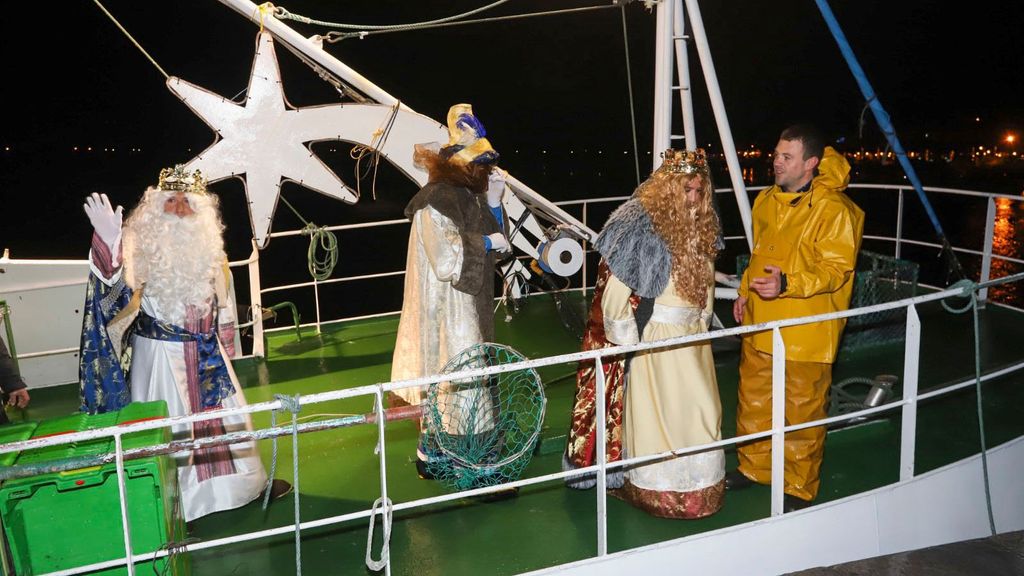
(176, 261)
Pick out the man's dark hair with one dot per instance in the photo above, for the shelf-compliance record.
(812, 138)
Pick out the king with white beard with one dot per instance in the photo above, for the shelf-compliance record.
(159, 325)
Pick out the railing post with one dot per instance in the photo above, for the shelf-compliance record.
(908, 437)
(899, 225)
(602, 437)
(986, 258)
(256, 302)
(778, 420)
(385, 503)
(123, 497)
(586, 278)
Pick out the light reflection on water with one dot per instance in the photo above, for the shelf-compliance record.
(1007, 240)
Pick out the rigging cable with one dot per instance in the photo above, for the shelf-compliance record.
(137, 45)
(333, 37)
(327, 76)
(885, 123)
(629, 84)
(282, 13)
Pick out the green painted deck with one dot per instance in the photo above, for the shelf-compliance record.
(550, 524)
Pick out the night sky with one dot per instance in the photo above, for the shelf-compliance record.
(552, 83)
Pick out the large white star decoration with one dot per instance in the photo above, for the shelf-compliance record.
(265, 140)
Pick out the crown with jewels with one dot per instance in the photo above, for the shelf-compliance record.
(177, 179)
(684, 161)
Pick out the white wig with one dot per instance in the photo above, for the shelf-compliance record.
(176, 259)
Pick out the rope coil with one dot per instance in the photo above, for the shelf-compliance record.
(385, 550)
(968, 289)
(320, 240)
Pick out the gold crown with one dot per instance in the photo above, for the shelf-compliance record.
(177, 179)
(684, 161)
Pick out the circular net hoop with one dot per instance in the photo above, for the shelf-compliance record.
(481, 431)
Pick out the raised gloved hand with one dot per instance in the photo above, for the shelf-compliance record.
(499, 243)
(105, 220)
(495, 187)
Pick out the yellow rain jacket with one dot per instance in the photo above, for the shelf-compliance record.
(813, 237)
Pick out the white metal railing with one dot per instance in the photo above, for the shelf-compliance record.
(256, 289)
(898, 240)
(908, 404)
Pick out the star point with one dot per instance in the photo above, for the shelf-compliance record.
(263, 141)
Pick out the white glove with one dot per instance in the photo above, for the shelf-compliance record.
(105, 220)
(499, 243)
(495, 187)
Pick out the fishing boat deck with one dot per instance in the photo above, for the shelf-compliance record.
(549, 524)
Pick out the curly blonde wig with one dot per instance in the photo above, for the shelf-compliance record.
(689, 230)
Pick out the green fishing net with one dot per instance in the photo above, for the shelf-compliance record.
(482, 431)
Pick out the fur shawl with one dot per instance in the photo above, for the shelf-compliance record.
(634, 252)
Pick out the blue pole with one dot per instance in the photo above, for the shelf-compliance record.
(883, 119)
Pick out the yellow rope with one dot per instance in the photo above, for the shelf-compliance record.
(263, 10)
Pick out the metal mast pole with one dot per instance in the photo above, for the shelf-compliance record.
(683, 72)
(728, 147)
(662, 82)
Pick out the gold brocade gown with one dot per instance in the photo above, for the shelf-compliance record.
(671, 402)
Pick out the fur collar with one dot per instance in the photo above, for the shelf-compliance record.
(634, 252)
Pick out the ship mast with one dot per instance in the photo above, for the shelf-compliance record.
(671, 33)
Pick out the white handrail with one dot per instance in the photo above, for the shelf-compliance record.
(907, 404)
(600, 468)
(253, 261)
(899, 240)
(572, 357)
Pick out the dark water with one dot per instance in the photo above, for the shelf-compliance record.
(54, 226)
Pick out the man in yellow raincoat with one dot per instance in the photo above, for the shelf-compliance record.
(806, 236)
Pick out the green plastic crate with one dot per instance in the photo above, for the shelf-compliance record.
(11, 433)
(60, 520)
(14, 433)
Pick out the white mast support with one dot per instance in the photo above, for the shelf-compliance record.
(683, 73)
(308, 48)
(911, 364)
(662, 82)
(255, 303)
(715, 93)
